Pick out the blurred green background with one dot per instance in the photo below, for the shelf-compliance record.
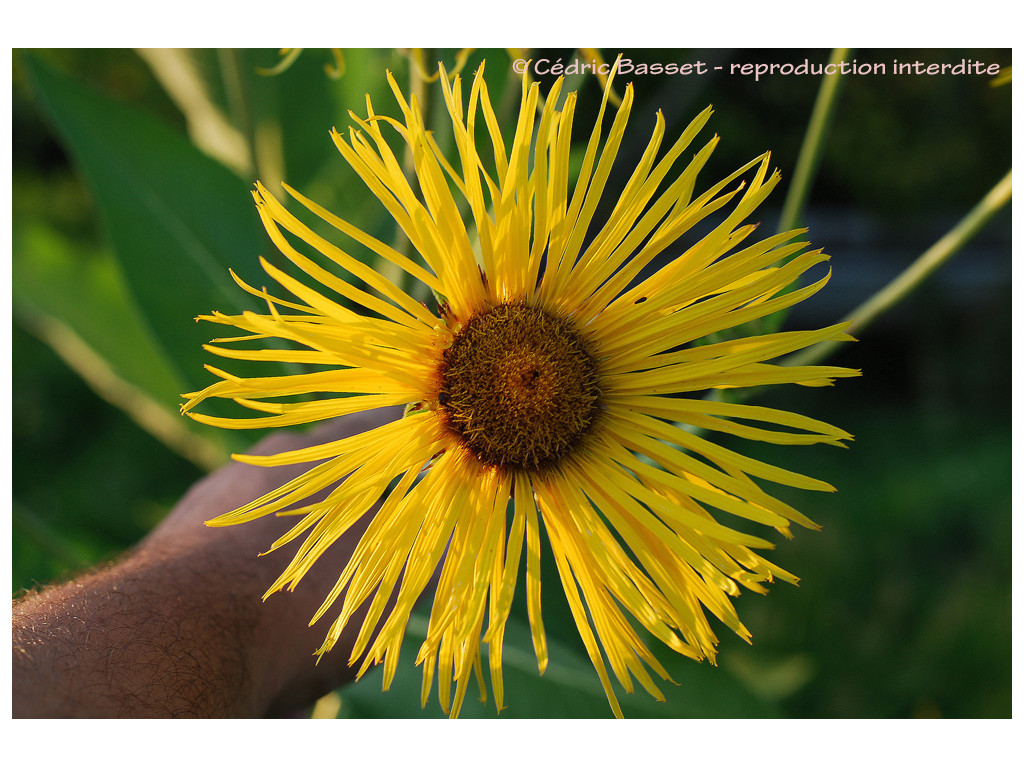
(130, 178)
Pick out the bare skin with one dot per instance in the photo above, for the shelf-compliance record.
(178, 627)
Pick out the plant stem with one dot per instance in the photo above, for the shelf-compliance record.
(807, 165)
(210, 130)
(150, 415)
(813, 145)
(917, 272)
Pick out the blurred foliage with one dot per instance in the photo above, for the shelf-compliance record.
(124, 229)
(87, 482)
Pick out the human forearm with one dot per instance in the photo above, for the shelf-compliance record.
(179, 626)
(143, 638)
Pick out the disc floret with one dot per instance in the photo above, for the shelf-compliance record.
(519, 387)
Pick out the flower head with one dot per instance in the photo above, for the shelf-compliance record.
(557, 387)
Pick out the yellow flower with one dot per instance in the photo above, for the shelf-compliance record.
(556, 386)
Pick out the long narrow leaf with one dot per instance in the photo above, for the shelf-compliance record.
(176, 219)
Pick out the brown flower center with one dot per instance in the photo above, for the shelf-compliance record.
(519, 387)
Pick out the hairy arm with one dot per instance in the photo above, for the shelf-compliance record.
(141, 638)
(178, 627)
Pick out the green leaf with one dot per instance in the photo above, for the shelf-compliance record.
(79, 286)
(176, 219)
(52, 275)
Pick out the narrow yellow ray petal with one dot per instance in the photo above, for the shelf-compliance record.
(381, 249)
(677, 377)
(525, 506)
(565, 574)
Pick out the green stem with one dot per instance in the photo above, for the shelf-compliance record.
(807, 164)
(239, 102)
(177, 71)
(917, 272)
(165, 425)
(254, 118)
(814, 144)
